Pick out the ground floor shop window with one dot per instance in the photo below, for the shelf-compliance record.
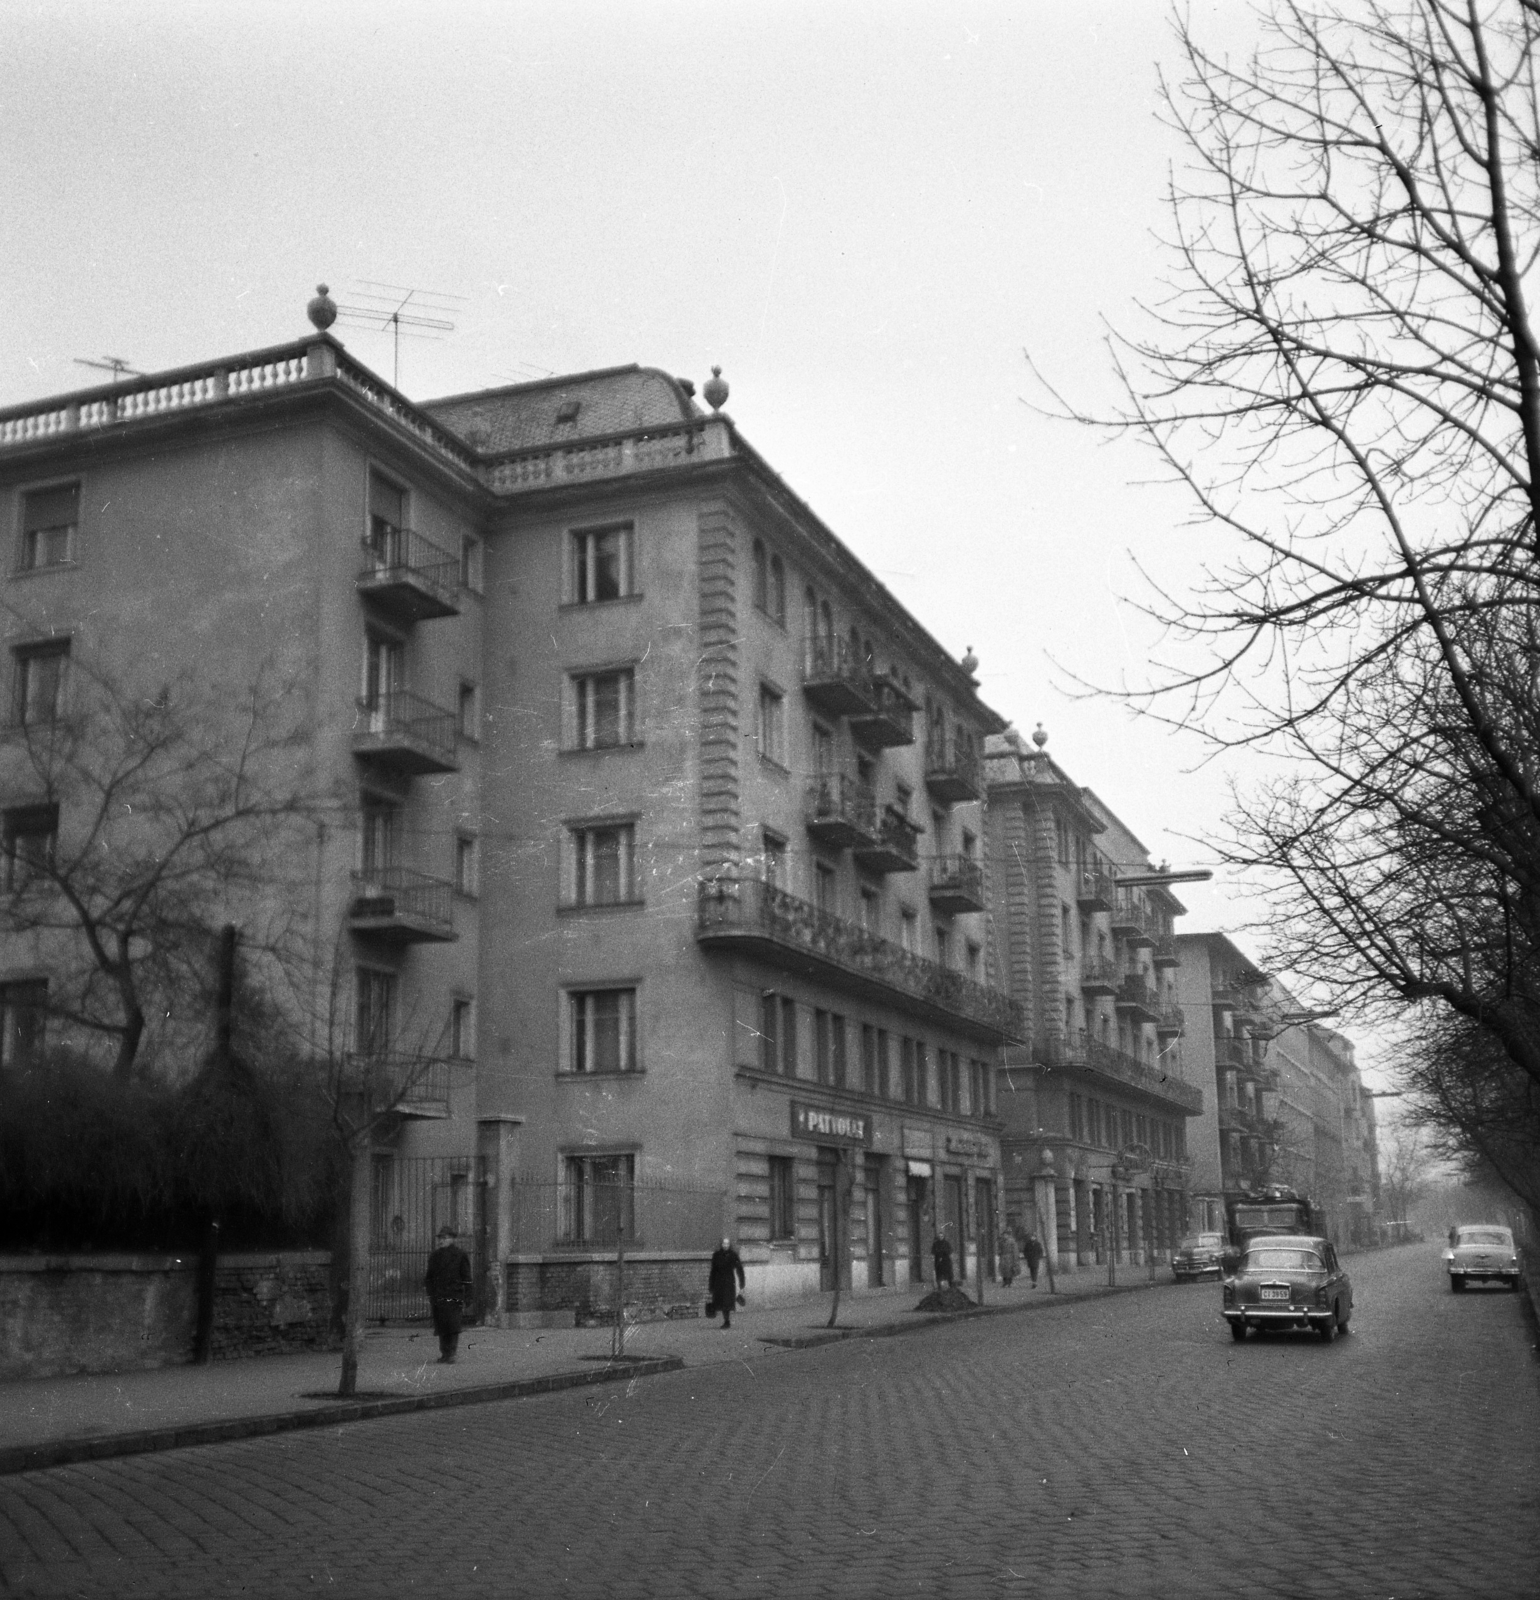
(783, 1197)
(23, 1008)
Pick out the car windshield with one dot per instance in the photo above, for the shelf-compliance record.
(1497, 1236)
(1278, 1260)
(1200, 1241)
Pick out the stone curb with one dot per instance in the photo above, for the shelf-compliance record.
(929, 1319)
(62, 1452)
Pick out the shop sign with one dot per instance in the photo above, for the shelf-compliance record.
(968, 1144)
(920, 1142)
(830, 1127)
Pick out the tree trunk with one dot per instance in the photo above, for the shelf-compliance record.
(358, 1263)
(128, 1043)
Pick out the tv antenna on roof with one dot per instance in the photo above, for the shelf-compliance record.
(383, 306)
(116, 365)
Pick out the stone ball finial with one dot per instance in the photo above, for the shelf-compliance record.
(715, 390)
(970, 662)
(1040, 736)
(322, 311)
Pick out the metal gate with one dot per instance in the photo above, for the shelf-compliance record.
(409, 1201)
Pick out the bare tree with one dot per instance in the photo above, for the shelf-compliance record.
(139, 818)
(1406, 1166)
(1346, 377)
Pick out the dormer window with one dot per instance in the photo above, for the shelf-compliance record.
(568, 410)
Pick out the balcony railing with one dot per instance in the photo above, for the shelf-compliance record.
(835, 678)
(797, 936)
(408, 1084)
(889, 720)
(1237, 1055)
(402, 905)
(896, 847)
(956, 884)
(408, 575)
(1171, 1021)
(1164, 953)
(841, 810)
(1095, 889)
(403, 731)
(1238, 1118)
(1130, 919)
(1136, 996)
(1081, 1050)
(1099, 976)
(953, 770)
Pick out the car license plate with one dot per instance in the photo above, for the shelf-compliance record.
(1275, 1294)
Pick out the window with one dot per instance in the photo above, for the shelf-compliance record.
(921, 1074)
(823, 749)
(772, 725)
(601, 564)
(39, 683)
(949, 1080)
(825, 888)
(778, 590)
(778, 1033)
(907, 1070)
(868, 1058)
(975, 961)
(49, 518)
(943, 946)
(375, 997)
(783, 1197)
(379, 836)
(384, 675)
(884, 1083)
(30, 835)
(871, 910)
(908, 930)
(603, 1030)
(465, 865)
(774, 860)
(468, 719)
(1061, 841)
(598, 1195)
(23, 1012)
(761, 576)
(1076, 1117)
(470, 563)
(462, 1031)
(978, 1088)
(902, 795)
(387, 521)
(605, 705)
(602, 873)
(829, 1045)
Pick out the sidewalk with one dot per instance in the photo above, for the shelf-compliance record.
(50, 1421)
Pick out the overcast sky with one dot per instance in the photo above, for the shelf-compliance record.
(862, 212)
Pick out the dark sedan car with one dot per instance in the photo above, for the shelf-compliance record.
(1289, 1281)
(1197, 1255)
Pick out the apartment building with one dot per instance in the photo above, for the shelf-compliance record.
(1095, 1104)
(653, 878)
(1288, 1101)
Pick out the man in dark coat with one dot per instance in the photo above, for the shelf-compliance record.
(941, 1254)
(448, 1282)
(1033, 1251)
(725, 1281)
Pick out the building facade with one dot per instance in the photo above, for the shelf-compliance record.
(1095, 1104)
(650, 879)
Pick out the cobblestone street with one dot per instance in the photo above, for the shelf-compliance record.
(1116, 1447)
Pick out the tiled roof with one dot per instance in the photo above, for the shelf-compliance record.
(556, 410)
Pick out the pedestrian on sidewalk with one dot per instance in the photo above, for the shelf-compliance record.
(1033, 1251)
(725, 1281)
(448, 1282)
(941, 1254)
(1010, 1262)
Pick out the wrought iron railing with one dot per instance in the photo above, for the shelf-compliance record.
(1080, 1049)
(745, 905)
(837, 798)
(399, 714)
(400, 1080)
(956, 759)
(403, 554)
(401, 892)
(959, 875)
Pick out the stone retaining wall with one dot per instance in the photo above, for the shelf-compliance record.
(119, 1313)
(657, 1286)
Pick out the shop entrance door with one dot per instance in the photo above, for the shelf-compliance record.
(916, 1197)
(874, 1240)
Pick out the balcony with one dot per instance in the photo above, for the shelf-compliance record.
(1130, 920)
(1237, 1055)
(1117, 1066)
(956, 885)
(404, 733)
(1164, 953)
(1171, 1022)
(1099, 976)
(1138, 999)
(407, 1084)
(1239, 1120)
(1231, 988)
(953, 770)
(896, 847)
(1094, 891)
(835, 679)
(775, 927)
(408, 576)
(889, 719)
(403, 906)
(841, 811)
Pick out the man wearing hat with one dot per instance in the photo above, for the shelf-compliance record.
(448, 1282)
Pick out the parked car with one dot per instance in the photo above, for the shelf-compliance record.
(1289, 1281)
(1481, 1253)
(1198, 1255)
